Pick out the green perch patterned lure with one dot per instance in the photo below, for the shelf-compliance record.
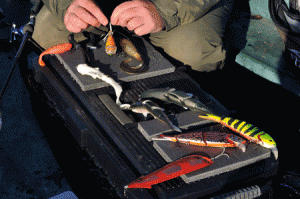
(248, 131)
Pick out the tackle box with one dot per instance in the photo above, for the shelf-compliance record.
(117, 141)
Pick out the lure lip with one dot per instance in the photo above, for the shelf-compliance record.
(273, 149)
(275, 152)
(242, 147)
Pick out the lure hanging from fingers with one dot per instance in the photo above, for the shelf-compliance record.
(110, 46)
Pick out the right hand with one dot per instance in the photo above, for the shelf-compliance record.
(83, 13)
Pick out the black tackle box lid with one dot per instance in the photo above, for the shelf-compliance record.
(127, 135)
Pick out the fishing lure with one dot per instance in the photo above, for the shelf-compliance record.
(61, 48)
(180, 98)
(148, 107)
(133, 64)
(210, 139)
(248, 131)
(110, 46)
(130, 49)
(177, 168)
(84, 69)
(172, 170)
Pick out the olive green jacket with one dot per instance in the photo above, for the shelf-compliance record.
(174, 12)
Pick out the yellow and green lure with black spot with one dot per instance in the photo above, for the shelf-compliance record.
(248, 131)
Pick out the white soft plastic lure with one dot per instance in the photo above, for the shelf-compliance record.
(85, 69)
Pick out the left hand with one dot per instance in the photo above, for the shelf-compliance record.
(140, 16)
(83, 13)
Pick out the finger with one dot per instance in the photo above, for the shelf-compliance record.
(121, 8)
(75, 24)
(126, 16)
(86, 16)
(77, 21)
(73, 28)
(134, 23)
(94, 10)
(142, 30)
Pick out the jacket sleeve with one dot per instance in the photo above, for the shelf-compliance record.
(58, 7)
(180, 12)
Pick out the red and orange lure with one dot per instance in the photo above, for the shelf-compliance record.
(61, 48)
(206, 139)
(110, 46)
(177, 168)
(172, 170)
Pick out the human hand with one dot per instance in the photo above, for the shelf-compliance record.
(83, 13)
(140, 16)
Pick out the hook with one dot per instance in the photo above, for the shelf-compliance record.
(221, 154)
(110, 26)
(109, 32)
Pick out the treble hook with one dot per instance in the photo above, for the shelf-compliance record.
(221, 154)
(110, 31)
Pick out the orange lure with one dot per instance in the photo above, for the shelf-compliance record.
(110, 46)
(61, 48)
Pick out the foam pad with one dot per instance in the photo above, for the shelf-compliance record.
(110, 65)
(184, 120)
(170, 151)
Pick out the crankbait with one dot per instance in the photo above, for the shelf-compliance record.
(84, 69)
(248, 131)
(148, 107)
(110, 46)
(61, 48)
(210, 139)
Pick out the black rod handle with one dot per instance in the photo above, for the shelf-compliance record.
(25, 37)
